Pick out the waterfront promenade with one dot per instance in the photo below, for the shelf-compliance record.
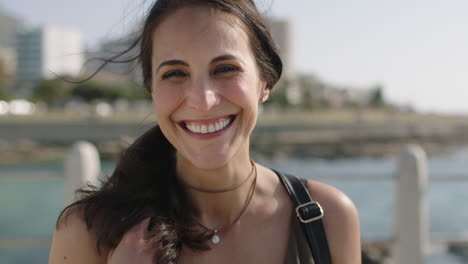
(327, 134)
(333, 134)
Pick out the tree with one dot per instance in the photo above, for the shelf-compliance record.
(308, 101)
(138, 93)
(278, 96)
(376, 98)
(52, 92)
(3, 89)
(92, 90)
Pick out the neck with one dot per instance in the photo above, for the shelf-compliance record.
(216, 209)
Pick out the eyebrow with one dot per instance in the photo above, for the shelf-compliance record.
(183, 63)
(224, 57)
(171, 63)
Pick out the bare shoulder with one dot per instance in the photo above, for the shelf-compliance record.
(341, 222)
(73, 242)
(336, 203)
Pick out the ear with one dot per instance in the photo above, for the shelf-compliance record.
(264, 93)
(151, 91)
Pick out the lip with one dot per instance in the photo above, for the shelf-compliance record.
(182, 124)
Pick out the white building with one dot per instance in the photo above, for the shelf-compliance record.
(44, 52)
(8, 27)
(282, 31)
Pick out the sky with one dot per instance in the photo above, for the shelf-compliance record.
(416, 49)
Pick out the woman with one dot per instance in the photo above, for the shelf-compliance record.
(187, 191)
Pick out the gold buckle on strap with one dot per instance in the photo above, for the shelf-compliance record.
(314, 218)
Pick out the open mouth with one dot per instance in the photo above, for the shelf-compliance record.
(208, 127)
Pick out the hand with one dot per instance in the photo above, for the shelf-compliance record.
(134, 248)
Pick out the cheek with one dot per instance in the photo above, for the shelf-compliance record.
(165, 100)
(243, 91)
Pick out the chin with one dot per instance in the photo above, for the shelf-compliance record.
(207, 159)
(209, 162)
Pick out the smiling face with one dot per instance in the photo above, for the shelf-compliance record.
(205, 86)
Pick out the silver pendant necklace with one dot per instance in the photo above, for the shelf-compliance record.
(215, 238)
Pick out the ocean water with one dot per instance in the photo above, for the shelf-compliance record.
(369, 183)
(29, 207)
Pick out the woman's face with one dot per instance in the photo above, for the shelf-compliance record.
(205, 86)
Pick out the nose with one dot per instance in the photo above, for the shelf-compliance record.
(202, 95)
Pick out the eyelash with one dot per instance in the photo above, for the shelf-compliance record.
(225, 68)
(182, 74)
(175, 73)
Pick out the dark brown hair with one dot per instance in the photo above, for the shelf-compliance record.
(144, 184)
(262, 44)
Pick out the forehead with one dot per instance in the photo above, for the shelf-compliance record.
(197, 31)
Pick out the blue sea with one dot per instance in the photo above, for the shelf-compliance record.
(29, 206)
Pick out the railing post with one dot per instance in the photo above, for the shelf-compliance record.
(411, 214)
(82, 166)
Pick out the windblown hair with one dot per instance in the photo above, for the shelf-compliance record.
(144, 183)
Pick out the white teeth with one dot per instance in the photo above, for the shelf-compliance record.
(203, 129)
(211, 129)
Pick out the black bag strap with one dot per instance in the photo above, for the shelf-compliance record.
(309, 214)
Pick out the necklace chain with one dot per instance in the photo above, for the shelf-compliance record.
(215, 232)
(200, 189)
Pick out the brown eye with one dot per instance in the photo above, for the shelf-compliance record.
(225, 68)
(174, 74)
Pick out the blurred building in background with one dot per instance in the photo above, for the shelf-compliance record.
(31, 54)
(46, 52)
(306, 89)
(8, 28)
(282, 31)
(316, 93)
